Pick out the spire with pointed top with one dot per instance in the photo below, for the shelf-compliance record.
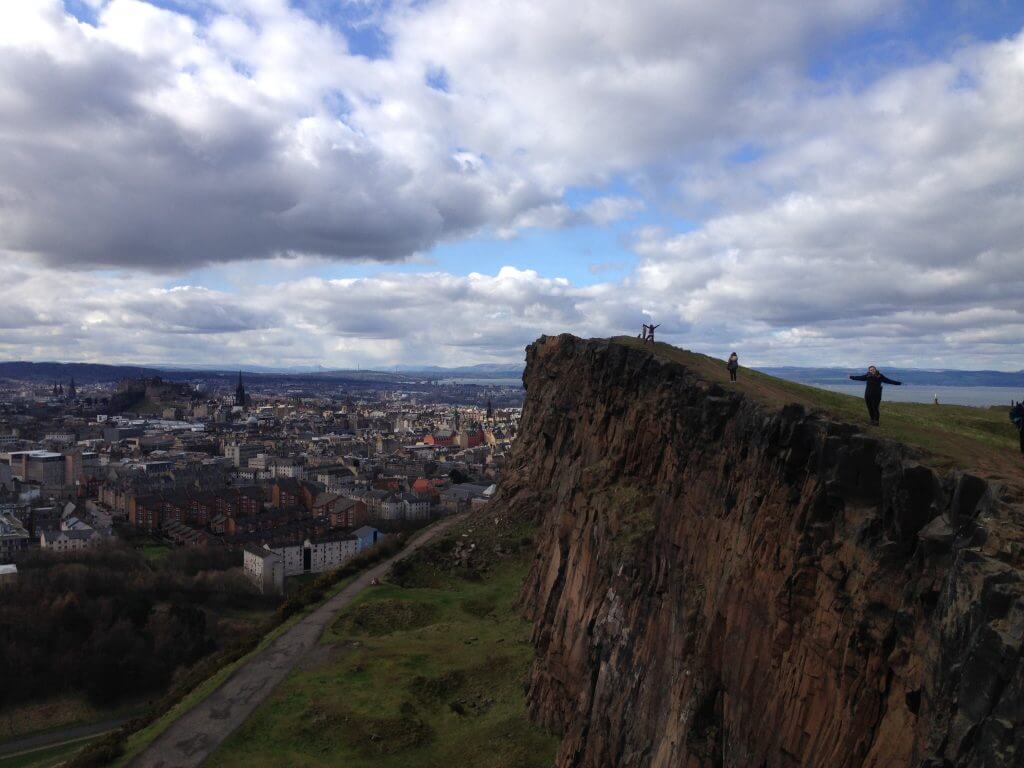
(240, 391)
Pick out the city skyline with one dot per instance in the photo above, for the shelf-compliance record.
(368, 184)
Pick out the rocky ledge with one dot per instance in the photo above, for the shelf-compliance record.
(721, 584)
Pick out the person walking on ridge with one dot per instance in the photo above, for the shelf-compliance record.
(873, 390)
(733, 366)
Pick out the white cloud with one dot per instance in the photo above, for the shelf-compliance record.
(386, 319)
(158, 141)
(881, 213)
(879, 219)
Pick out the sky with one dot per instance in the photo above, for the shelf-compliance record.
(359, 183)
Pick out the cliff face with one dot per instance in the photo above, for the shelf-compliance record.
(717, 584)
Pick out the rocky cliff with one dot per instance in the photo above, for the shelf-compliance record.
(719, 583)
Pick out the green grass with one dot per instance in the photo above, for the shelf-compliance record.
(978, 439)
(155, 552)
(406, 677)
(46, 758)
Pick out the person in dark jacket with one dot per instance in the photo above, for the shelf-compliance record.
(733, 365)
(1017, 417)
(873, 390)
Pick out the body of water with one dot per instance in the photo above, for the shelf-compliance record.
(509, 382)
(980, 397)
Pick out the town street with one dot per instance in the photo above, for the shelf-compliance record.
(196, 735)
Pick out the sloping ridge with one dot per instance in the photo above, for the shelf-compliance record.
(721, 583)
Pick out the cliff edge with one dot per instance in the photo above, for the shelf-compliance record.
(721, 581)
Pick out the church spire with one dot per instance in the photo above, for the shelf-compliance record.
(240, 391)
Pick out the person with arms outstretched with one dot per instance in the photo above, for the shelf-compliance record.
(873, 390)
(650, 332)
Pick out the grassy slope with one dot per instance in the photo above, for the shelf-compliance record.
(976, 439)
(391, 676)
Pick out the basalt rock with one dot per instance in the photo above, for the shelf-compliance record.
(722, 584)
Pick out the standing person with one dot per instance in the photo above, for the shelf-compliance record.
(733, 365)
(1017, 417)
(650, 332)
(873, 390)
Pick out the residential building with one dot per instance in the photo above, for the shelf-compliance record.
(367, 536)
(240, 453)
(8, 575)
(43, 467)
(264, 568)
(268, 566)
(415, 507)
(14, 539)
(461, 497)
(63, 542)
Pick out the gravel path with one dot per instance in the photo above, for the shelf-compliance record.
(194, 736)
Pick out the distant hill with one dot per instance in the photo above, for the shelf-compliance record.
(95, 373)
(82, 373)
(919, 376)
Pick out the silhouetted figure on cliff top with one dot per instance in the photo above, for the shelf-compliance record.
(1017, 417)
(873, 390)
(733, 366)
(650, 332)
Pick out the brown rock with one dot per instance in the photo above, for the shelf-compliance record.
(718, 584)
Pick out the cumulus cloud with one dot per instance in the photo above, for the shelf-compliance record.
(888, 213)
(825, 221)
(158, 140)
(435, 317)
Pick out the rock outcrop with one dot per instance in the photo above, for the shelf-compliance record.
(720, 584)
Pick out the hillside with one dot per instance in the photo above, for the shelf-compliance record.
(82, 373)
(750, 577)
(426, 670)
(946, 436)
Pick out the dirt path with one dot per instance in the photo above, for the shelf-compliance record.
(195, 735)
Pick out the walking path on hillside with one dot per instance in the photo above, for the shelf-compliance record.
(194, 736)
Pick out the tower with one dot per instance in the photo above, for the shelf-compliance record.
(72, 392)
(240, 391)
(490, 410)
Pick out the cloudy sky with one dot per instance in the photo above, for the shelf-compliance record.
(352, 182)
